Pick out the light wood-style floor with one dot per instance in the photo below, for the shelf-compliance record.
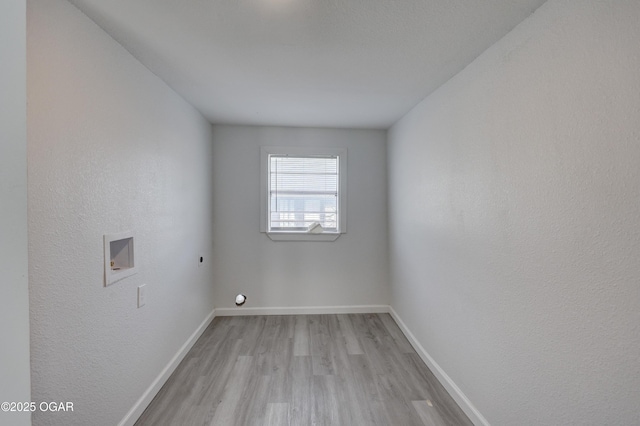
(303, 370)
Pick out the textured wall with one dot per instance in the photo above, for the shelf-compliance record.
(110, 148)
(515, 220)
(349, 271)
(14, 291)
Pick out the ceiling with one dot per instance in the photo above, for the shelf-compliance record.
(314, 63)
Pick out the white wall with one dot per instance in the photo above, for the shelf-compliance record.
(14, 291)
(349, 271)
(515, 220)
(111, 148)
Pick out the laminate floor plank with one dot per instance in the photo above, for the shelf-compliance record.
(302, 399)
(229, 407)
(250, 334)
(301, 366)
(396, 334)
(252, 405)
(337, 347)
(351, 370)
(398, 411)
(279, 363)
(277, 414)
(427, 413)
(319, 339)
(349, 334)
(324, 402)
(446, 407)
(369, 401)
(301, 336)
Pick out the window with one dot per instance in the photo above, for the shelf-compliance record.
(303, 193)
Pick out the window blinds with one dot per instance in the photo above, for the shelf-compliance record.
(303, 190)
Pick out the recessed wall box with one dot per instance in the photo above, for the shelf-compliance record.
(119, 260)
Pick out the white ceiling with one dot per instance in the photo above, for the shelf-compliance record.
(316, 63)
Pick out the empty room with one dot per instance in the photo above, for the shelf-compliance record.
(320, 212)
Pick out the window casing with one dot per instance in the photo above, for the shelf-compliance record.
(303, 195)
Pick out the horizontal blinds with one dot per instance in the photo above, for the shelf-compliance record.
(303, 190)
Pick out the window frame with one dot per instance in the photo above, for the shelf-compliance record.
(297, 151)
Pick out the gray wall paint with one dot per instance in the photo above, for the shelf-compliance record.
(111, 148)
(515, 220)
(14, 291)
(349, 271)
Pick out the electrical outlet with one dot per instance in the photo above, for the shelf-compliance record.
(142, 295)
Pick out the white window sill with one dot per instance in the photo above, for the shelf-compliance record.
(302, 236)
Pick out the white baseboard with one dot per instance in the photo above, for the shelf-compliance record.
(304, 310)
(146, 398)
(461, 399)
